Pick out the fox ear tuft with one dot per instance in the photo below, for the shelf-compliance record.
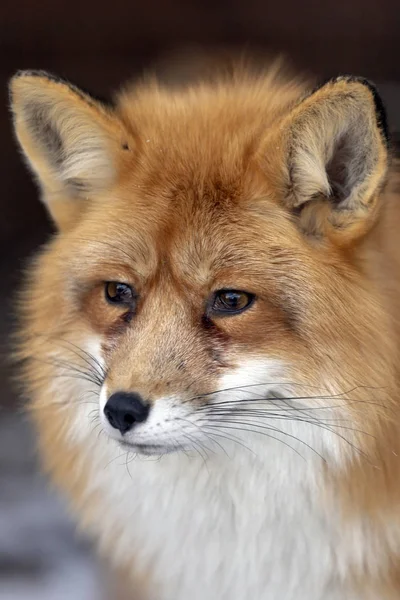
(335, 144)
(69, 139)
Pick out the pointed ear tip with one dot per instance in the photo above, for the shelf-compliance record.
(358, 85)
(367, 89)
(28, 77)
(34, 73)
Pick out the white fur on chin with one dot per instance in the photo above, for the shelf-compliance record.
(243, 521)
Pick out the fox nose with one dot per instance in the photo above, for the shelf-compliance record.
(123, 410)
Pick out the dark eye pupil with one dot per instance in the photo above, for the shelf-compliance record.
(232, 299)
(118, 292)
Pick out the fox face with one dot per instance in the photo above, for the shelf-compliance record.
(208, 277)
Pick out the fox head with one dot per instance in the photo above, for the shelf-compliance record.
(213, 276)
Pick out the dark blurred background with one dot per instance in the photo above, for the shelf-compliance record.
(99, 45)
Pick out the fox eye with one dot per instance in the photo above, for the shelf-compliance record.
(231, 302)
(119, 293)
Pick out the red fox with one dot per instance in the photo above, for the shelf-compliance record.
(210, 341)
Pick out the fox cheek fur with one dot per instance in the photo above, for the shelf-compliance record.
(223, 293)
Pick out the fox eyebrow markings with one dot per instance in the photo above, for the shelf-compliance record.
(118, 265)
(133, 259)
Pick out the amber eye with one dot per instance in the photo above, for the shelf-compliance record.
(119, 293)
(231, 302)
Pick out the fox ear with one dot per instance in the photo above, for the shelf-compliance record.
(334, 147)
(70, 140)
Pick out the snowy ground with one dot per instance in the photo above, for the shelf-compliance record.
(40, 555)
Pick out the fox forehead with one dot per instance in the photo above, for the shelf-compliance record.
(196, 237)
(206, 126)
(191, 192)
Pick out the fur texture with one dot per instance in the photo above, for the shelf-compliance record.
(269, 464)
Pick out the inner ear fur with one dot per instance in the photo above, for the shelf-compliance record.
(71, 141)
(334, 152)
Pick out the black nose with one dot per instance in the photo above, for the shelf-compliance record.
(124, 409)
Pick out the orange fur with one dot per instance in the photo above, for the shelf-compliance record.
(200, 195)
